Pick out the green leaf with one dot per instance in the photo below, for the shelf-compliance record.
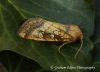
(2, 69)
(17, 63)
(96, 42)
(79, 12)
(96, 39)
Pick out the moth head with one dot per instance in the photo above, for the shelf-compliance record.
(76, 33)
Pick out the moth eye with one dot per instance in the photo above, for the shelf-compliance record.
(52, 36)
(40, 35)
(56, 32)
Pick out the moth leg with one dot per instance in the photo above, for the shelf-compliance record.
(62, 46)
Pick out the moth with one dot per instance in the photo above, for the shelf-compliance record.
(43, 30)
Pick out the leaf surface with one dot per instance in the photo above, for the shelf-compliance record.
(79, 12)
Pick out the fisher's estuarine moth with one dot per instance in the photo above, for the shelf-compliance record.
(43, 30)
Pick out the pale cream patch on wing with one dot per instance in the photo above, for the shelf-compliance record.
(57, 32)
(35, 32)
(46, 25)
(52, 36)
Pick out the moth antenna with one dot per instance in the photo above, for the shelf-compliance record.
(79, 48)
(61, 47)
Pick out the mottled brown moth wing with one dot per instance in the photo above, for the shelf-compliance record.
(43, 30)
